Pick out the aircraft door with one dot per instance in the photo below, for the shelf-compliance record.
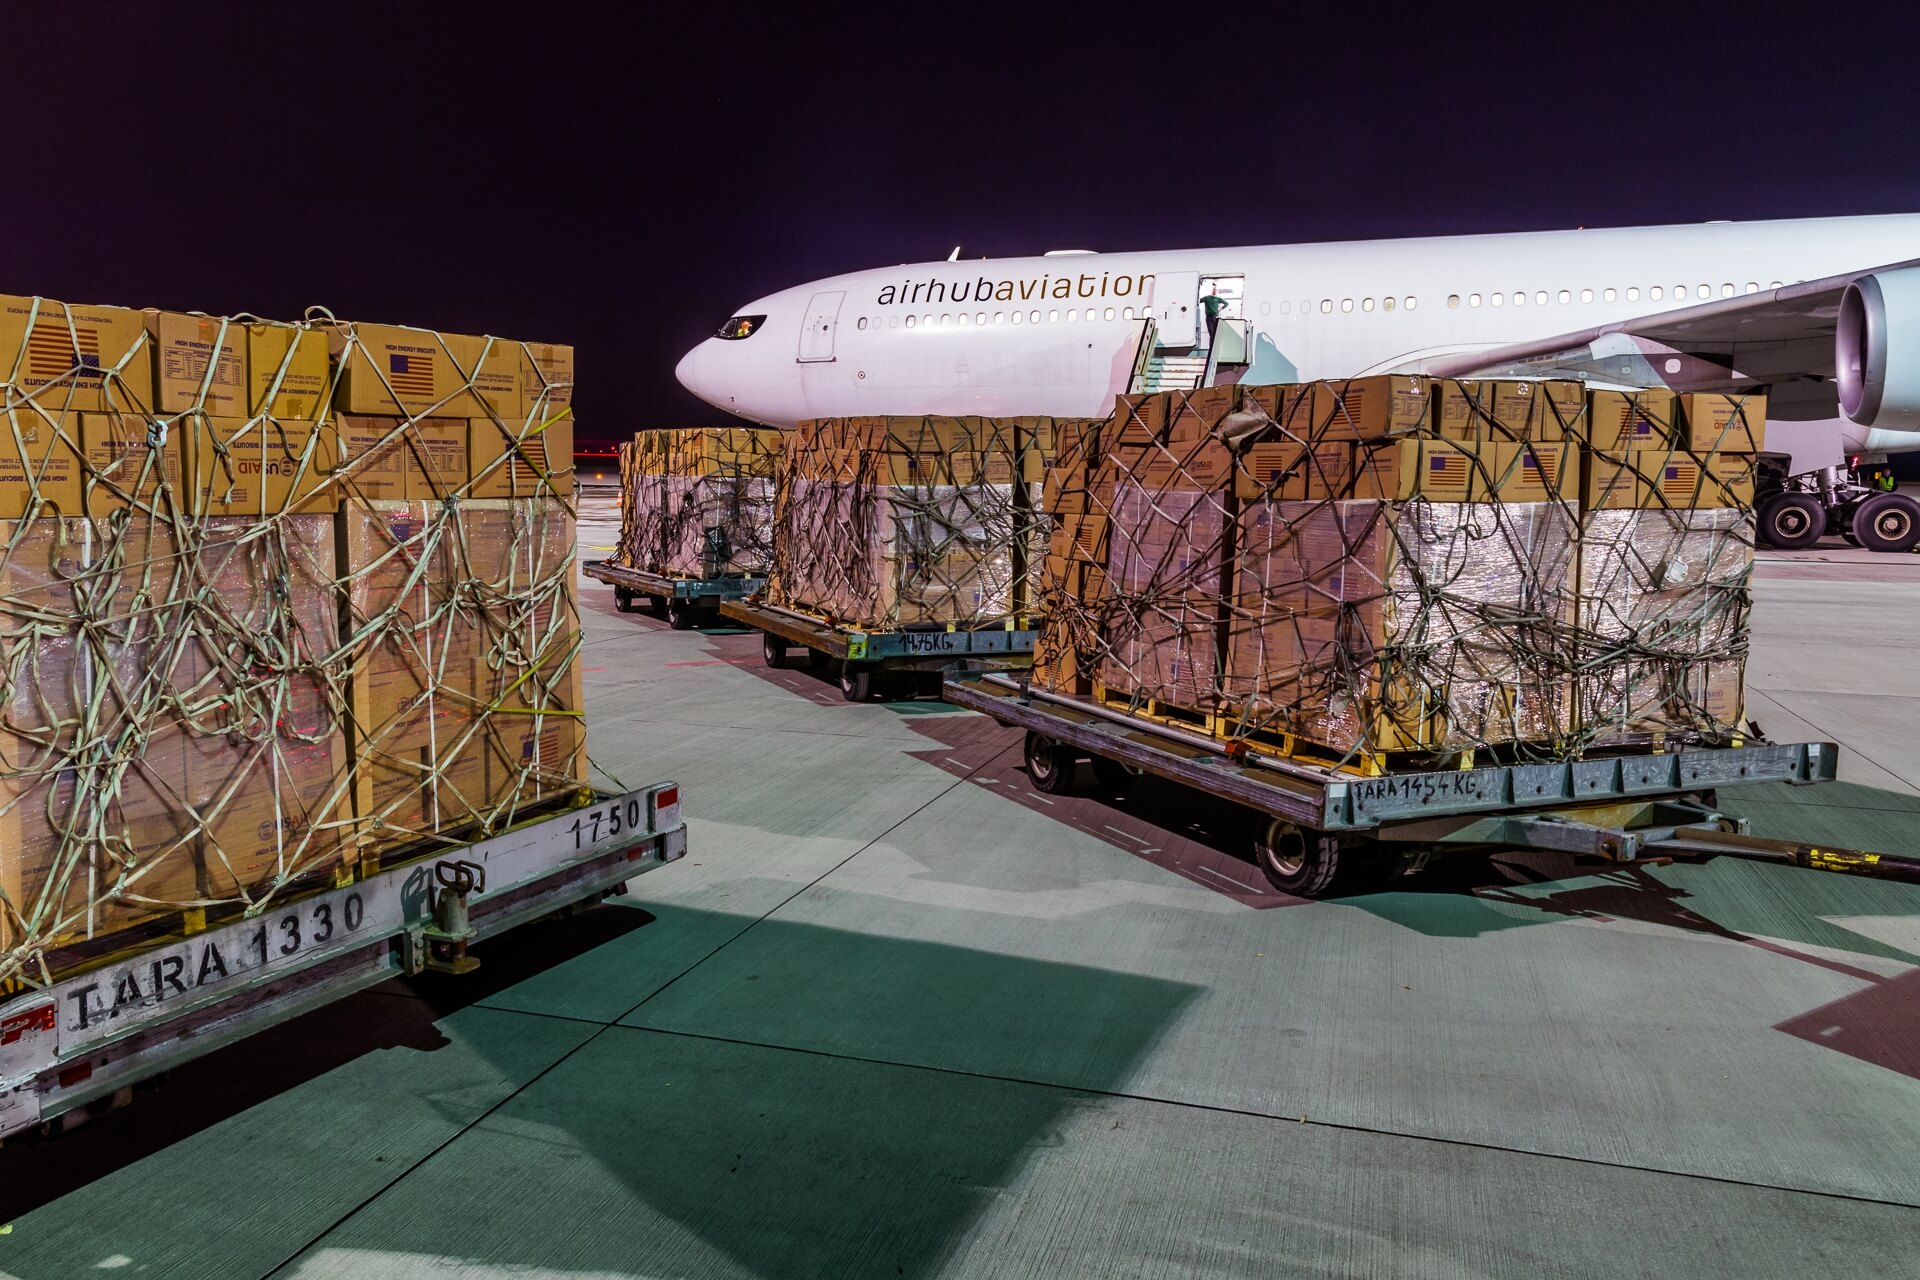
(1176, 299)
(823, 317)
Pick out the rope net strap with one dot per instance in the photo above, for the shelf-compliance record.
(240, 653)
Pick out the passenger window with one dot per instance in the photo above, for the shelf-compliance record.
(1753, 286)
(1705, 291)
(1387, 303)
(1346, 304)
(1633, 294)
(999, 317)
(1366, 304)
(862, 324)
(1019, 317)
(1412, 302)
(945, 318)
(1033, 317)
(1453, 302)
(1565, 297)
(1607, 295)
(1586, 295)
(909, 322)
(893, 322)
(1726, 290)
(1286, 308)
(1540, 298)
(1519, 298)
(1653, 294)
(979, 317)
(1326, 306)
(1073, 313)
(1054, 315)
(1776, 285)
(1497, 299)
(1473, 299)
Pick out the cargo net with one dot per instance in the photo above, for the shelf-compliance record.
(698, 503)
(234, 662)
(888, 523)
(1293, 568)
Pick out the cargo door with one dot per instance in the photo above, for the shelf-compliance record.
(1176, 299)
(823, 317)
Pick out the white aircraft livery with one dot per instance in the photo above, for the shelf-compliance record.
(1798, 308)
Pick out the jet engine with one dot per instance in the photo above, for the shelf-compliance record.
(1876, 352)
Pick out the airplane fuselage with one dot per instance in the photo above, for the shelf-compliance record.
(1061, 334)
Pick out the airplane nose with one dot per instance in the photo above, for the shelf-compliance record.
(687, 371)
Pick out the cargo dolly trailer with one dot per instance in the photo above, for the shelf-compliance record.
(685, 602)
(859, 656)
(1321, 831)
(83, 1040)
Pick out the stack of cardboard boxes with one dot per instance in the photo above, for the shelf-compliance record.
(698, 503)
(1408, 564)
(273, 598)
(894, 522)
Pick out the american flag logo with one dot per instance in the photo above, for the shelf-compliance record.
(1678, 481)
(54, 351)
(411, 373)
(1447, 466)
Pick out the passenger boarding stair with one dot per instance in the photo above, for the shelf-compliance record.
(1185, 370)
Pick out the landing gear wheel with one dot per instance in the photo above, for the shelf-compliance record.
(1887, 522)
(1303, 863)
(1049, 764)
(1112, 775)
(819, 659)
(856, 682)
(680, 617)
(623, 599)
(1792, 521)
(773, 650)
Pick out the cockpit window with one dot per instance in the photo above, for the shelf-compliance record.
(741, 327)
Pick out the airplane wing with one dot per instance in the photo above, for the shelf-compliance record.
(1783, 338)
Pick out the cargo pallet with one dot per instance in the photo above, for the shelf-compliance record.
(684, 601)
(85, 1039)
(1323, 830)
(860, 655)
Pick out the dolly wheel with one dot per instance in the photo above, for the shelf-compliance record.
(1049, 764)
(656, 605)
(1112, 775)
(623, 599)
(1304, 863)
(773, 649)
(680, 616)
(856, 682)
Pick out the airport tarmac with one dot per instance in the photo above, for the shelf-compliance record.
(898, 1014)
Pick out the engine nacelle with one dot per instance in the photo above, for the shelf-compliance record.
(1876, 350)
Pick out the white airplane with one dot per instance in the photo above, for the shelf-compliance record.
(1797, 308)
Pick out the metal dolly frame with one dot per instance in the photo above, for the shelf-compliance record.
(1620, 808)
(681, 599)
(860, 654)
(93, 1034)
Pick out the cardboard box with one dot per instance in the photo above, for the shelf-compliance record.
(200, 362)
(259, 466)
(506, 464)
(1272, 469)
(1533, 472)
(393, 460)
(1503, 410)
(1682, 480)
(1618, 420)
(1437, 470)
(71, 357)
(1366, 408)
(394, 370)
(1724, 423)
(546, 380)
(39, 454)
(1612, 482)
(128, 462)
(288, 374)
